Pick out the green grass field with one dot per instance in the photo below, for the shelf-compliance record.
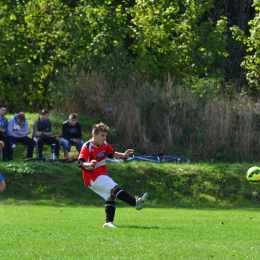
(195, 211)
(45, 232)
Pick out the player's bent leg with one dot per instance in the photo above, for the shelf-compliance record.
(124, 196)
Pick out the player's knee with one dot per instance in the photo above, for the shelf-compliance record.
(114, 189)
(112, 198)
(117, 190)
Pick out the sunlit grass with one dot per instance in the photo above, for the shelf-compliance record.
(44, 232)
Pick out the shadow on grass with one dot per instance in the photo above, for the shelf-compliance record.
(144, 227)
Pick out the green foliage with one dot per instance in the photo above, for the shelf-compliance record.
(174, 37)
(39, 180)
(252, 42)
(33, 41)
(167, 184)
(202, 184)
(41, 41)
(165, 119)
(202, 122)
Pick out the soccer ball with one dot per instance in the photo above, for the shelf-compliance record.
(253, 175)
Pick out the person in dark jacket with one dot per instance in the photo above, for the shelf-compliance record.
(43, 133)
(71, 134)
(3, 135)
(2, 181)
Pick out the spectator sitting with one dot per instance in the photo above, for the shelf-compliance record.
(18, 131)
(71, 134)
(43, 133)
(3, 134)
(2, 181)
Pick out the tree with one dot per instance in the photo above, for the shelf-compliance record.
(251, 60)
(40, 40)
(177, 38)
(33, 42)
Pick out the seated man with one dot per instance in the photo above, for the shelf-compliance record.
(17, 132)
(2, 181)
(43, 133)
(71, 134)
(3, 134)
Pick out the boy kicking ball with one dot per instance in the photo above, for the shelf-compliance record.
(92, 160)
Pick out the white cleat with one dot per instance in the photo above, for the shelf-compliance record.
(139, 201)
(109, 224)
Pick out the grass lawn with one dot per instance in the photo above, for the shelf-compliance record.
(48, 232)
(194, 212)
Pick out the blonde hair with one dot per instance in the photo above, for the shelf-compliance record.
(99, 127)
(73, 116)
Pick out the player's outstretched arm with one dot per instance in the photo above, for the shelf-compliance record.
(123, 155)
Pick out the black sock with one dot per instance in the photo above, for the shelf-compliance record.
(124, 196)
(110, 211)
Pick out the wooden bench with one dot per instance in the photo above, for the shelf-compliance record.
(17, 144)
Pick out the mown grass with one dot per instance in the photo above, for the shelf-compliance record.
(195, 211)
(44, 232)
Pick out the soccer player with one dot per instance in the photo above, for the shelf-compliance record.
(92, 160)
(2, 181)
